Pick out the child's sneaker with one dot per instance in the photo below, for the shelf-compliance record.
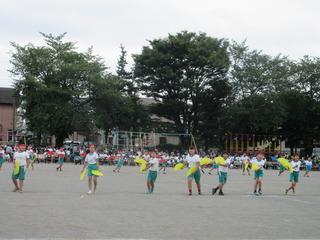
(214, 190)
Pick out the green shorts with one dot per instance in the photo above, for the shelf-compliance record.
(282, 168)
(1, 161)
(61, 160)
(196, 176)
(163, 164)
(21, 174)
(223, 177)
(91, 167)
(152, 176)
(215, 166)
(294, 177)
(120, 163)
(258, 174)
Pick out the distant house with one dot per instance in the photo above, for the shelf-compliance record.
(148, 102)
(7, 115)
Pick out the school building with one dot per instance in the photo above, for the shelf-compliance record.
(8, 113)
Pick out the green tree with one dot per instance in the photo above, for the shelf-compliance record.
(128, 84)
(114, 110)
(257, 114)
(253, 72)
(53, 85)
(135, 113)
(301, 126)
(178, 72)
(306, 76)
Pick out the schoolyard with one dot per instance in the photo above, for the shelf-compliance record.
(55, 205)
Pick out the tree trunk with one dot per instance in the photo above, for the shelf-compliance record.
(60, 139)
(308, 146)
(38, 139)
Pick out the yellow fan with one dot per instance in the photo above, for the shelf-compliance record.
(16, 167)
(205, 161)
(286, 164)
(254, 167)
(219, 160)
(82, 174)
(140, 161)
(179, 166)
(97, 173)
(143, 167)
(191, 171)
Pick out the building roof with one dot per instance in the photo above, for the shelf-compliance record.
(147, 102)
(6, 96)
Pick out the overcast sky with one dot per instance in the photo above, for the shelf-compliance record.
(290, 27)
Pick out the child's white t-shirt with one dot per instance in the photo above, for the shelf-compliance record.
(30, 153)
(61, 154)
(308, 163)
(245, 159)
(92, 158)
(223, 168)
(259, 163)
(296, 165)
(193, 160)
(21, 157)
(155, 164)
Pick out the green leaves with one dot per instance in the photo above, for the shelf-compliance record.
(177, 71)
(55, 85)
(273, 95)
(199, 84)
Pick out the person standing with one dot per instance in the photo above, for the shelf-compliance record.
(2, 153)
(193, 160)
(21, 162)
(61, 155)
(258, 173)
(223, 174)
(294, 176)
(308, 165)
(153, 166)
(91, 162)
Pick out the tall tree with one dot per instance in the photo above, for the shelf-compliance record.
(114, 110)
(253, 72)
(301, 126)
(53, 85)
(178, 71)
(257, 114)
(307, 76)
(136, 114)
(128, 84)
